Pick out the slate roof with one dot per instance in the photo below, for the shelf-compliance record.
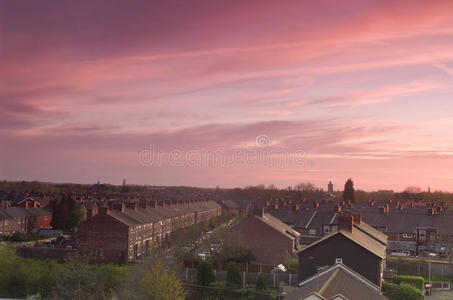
(374, 233)
(338, 280)
(359, 237)
(279, 225)
(131, 217)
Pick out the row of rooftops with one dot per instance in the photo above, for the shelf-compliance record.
(16, 212)
(303, 214)
(145, 212)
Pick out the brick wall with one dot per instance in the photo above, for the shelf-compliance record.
(104, 235)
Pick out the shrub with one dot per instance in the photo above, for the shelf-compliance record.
(233, 277)
(259, 284)
(416, 281)
(403, 291)
(205, 274)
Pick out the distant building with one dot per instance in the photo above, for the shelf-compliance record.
(330, 187)
(126, 232)
(268, 238)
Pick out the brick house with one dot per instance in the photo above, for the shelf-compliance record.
(361, 247)
(24, 219)
(124, 232)
(268, 238)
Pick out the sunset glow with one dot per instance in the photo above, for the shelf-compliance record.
(362, 89)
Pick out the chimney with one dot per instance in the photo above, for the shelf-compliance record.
(357, 218)
(372, 203)
(295, 207)
(118, 206)
(400, 208)
(26, 203)
(268, 203)
(387, 208)
(275, 206)
(34, 203)
(155, 204)
(259, 212)
(430, 211)
(346, 222)
(132, 205)
(337, 209)
(315, 204)
(142, 203)
(103, 210)
(440, 208)
(397, 203)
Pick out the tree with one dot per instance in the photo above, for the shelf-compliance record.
(259, 284)
(152, 280)
(65, 216)
(349, 192)
(160, 284)
(205, 273)
(233, 277)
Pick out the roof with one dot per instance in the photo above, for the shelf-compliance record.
(278, 225)
(359, 237)
(337, 281)
(230, 204)
(374, 233)
(140, 216)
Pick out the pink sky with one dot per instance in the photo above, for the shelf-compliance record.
(361, 89)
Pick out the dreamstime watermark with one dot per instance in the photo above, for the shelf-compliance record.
(260, 155)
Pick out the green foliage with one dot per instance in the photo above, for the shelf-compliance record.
(259, 284)
(416, 281)
(89, 281)
(403, 291)
(349, 192)
(21, 277)
(160, 284)
(233, 277)
(205, 273)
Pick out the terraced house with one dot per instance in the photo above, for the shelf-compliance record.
(124, 232)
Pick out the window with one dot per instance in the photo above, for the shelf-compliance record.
(407, 235)
(326, 229)
(422, 234)
(432, 236)
(312, 231)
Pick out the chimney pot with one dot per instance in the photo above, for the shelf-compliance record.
(346, 222)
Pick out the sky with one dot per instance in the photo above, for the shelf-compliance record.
(228, 93)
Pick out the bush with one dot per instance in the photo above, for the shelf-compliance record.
(259, 284)
(205, 274)
(403, 291)
(233, 277)
(416, 281)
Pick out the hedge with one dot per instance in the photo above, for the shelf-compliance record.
(415, 281)
(403, 291)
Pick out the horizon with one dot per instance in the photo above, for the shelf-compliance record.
(228, 94)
